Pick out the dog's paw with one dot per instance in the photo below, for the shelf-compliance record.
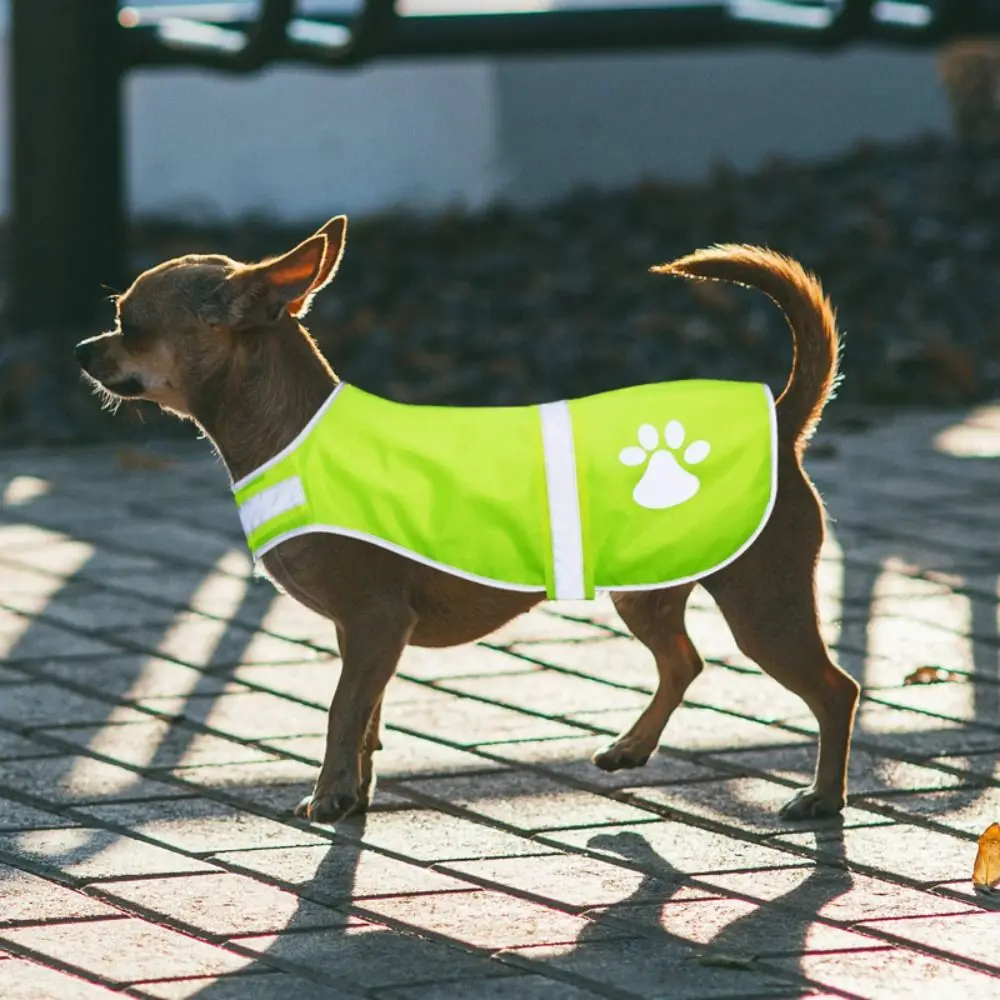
(329, 808)
(621, 754)
(810, 803)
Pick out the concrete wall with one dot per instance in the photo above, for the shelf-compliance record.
(303, 143)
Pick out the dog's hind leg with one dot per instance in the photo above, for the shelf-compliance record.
(768, 599)
(656, 619)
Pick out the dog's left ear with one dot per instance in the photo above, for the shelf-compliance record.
(260, 294)
(335, 232)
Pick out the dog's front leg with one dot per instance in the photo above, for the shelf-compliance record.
(370, 648)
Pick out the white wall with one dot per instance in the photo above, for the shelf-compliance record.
(305, 143)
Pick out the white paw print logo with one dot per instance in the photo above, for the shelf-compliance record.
(665, 483)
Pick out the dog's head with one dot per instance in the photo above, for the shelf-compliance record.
(183, 325)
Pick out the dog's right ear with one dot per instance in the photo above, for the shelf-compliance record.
(258, 295)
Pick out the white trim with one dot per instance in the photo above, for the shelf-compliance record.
(270, 503)
(361, 536)
(564, 502)
(694, 578)
(289, 448)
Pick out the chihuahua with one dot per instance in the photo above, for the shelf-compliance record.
(221, 343)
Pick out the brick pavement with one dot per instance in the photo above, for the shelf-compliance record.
(160, 712)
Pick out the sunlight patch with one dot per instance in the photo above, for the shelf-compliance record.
(977, 436)
(22, 490)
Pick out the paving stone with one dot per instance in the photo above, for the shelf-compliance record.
(159, 744)
(570, 758)
(618, 659)
(253, 984)
(908, 852)
(202, 826)
(21, 979)
(969, 811)
(88, 854)
(913, 735)
(23, 638)
(402, 756)
(572, 881)
(133, 677)
(696, 729)
(275, 780)
(221, 905)
(312, 680)
(15, 747)
(368, 957)
(752, 804)
(81, 779)
(550, 692)
(25, 898)
(834, 893)
(893, 973)
(543, 626)
(673, 850)
(41, 704)
(17, 816)
(518, 987)
(340, 872)
(468, 723)
(658, 967)
(255, 715)
(487, 919)
(733, 926)
(975, 765)
(132, 950)
(975, 936)
(459, 661)
(528, 800)
(200, 641)
(867, 772)
(82, 606)
(428, 835)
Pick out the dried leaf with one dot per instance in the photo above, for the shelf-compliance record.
(986, 873)
(931, 675)
(129, 459)
(727, 960)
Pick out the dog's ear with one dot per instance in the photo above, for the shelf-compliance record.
(335, 232)
(259, 294)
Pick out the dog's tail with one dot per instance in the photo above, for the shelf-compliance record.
(815, 340)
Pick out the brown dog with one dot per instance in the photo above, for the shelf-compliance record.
(220, 342)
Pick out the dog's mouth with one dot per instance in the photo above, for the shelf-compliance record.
(127, 388)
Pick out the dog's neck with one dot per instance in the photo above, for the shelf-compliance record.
(260, 405)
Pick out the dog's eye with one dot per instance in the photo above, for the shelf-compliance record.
(131, 334)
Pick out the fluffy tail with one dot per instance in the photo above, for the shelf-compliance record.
(815, 340)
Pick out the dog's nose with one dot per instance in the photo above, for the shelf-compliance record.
(83, 352)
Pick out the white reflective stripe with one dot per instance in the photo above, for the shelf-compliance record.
(269, 503)
(292, 445)
(564, 501)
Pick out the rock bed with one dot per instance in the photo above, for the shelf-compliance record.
(514, 306)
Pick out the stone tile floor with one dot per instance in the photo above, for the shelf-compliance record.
(161, 711)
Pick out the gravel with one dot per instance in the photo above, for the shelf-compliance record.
(516, 306)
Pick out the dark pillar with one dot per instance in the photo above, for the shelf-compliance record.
(67, 200)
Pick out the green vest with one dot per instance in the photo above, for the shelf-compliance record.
(635, 489)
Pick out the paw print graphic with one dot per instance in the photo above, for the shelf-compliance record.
(665, 481)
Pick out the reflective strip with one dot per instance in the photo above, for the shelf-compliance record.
(564, 502)
(269, 503)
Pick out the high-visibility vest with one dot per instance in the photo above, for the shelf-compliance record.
(637, 488)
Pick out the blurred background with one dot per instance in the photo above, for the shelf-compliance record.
(511, 169)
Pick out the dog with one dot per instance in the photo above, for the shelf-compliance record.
(221, 343)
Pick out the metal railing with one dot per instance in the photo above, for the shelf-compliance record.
(69, 58)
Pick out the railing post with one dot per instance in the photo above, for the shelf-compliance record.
(67, 194)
